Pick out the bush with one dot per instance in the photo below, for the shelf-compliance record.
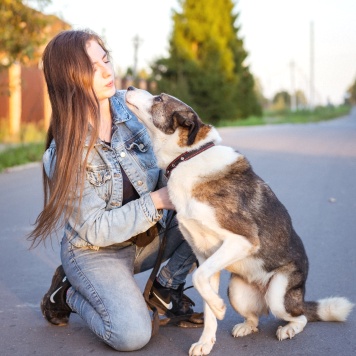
(29, 132)
(25, 153)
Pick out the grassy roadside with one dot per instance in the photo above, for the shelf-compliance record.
(21, 154)
(289, 117)
(32, 152)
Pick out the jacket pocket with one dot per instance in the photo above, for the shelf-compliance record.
(100, 178)
(141, 150)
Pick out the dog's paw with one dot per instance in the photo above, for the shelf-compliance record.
(201, 348)
(286, 332)
(292, 328)
(218, 307)
(243, 329)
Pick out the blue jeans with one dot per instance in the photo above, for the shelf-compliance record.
(105, 294)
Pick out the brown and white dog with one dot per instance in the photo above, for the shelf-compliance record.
(233, 221)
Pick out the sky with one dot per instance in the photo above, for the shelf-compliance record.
(277, 35)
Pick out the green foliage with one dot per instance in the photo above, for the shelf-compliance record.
(205, 66)
(352, 93)
(21, 31)
(301, 100)
(281, 102)
(248, 121)
(320, 113)
(15, 156)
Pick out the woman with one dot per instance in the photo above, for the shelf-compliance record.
(102, 185)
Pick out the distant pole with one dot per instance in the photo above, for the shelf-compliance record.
(136, 41)
(311, 80)
(293, 98)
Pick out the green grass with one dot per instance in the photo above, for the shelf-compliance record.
(289, 117)
(306, 116)
(24, 153)
(250, 121)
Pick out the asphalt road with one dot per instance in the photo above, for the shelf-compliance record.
(311, 168)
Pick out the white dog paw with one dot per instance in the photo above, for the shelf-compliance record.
(218, 307)
(201, 348)
(243, 329)
(285, 332)
(292, 328)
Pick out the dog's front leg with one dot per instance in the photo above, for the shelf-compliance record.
(233, 249)
(208, 337)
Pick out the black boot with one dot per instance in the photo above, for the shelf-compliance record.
(53, 305)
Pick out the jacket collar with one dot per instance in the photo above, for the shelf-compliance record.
(119, 114)
(118, 110)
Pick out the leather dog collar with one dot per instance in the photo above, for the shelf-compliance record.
(186, 156)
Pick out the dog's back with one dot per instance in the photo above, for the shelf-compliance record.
(245, 205)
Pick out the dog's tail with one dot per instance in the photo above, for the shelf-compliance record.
(329, 309)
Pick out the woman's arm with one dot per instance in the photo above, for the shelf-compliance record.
(101, 227)
(161, 199)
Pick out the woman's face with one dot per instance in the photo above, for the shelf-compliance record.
(103, 81)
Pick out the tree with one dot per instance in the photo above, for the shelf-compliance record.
(281, 101)
(22, 31)
(301, 100)
(205, 67)
(262, 100)
(352, 93)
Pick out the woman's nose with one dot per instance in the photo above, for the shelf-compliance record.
(106, 72)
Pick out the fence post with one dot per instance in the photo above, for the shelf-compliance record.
(15, 105)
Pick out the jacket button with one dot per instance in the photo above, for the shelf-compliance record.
(122, 154)
(139, 182)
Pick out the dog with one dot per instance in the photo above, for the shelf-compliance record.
(233, 221)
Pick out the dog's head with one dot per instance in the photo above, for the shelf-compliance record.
(165, 115)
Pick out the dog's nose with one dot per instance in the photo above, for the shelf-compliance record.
(131, 88)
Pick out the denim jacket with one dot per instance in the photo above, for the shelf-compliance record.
(101, 219)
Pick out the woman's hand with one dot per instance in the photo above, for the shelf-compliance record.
(161, 199)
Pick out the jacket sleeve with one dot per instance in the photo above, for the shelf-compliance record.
(49, 160)
(101, 227)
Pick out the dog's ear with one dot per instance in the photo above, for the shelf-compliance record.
(191, 121)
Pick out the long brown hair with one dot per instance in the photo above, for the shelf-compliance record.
(69, 77)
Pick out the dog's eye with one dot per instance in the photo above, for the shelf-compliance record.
(158, 99)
